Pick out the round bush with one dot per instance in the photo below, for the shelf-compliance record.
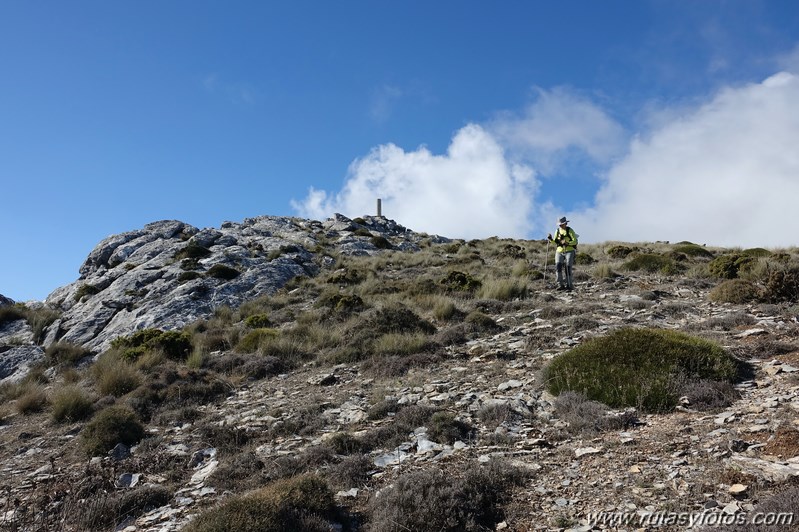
(693, 250)
(650, 262)
(115, 424)
(734, 291)
(642, 368)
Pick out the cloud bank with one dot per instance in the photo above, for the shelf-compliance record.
(726, 174)
(472, 191)
(723, 173)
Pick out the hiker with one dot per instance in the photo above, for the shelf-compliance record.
(566, 240)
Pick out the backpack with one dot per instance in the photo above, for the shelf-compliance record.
(574, 233)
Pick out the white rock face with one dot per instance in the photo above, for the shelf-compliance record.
(162, 276)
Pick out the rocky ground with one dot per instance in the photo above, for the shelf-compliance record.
(657, 472)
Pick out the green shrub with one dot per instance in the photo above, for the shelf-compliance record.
(224, 272)
(651, 262)
(257, 321)
(115, 424)
(299, 503)
(70, 403)
(735, 291)
(192, 251)
(730, 266)
(467, 499)
(254, 339)
(173, 344)
(638, 367)
(693, 250)
(756, 252)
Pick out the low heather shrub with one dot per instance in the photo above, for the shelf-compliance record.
(693, 250)
(431, 499)
(652, 263)
(589, 417)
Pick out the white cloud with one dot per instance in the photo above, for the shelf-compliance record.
(470, 192)
(725, 174)
(560, 124)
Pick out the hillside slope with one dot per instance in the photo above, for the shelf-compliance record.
(396, 379)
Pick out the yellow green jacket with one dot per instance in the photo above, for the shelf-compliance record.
(570, 237)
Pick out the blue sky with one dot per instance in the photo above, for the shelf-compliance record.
(640, 120)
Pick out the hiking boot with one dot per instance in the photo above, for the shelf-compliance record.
(569, 288)
(561, 287)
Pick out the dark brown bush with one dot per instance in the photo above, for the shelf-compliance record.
(782, 286)
(589, 417)
(455, 500)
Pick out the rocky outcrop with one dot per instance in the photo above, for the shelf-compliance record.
(169, 274)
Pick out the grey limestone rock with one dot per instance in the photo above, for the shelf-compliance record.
(169, 274)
